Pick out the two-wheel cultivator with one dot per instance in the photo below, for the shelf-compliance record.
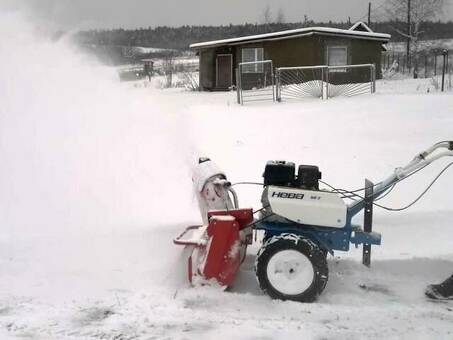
(301, 224)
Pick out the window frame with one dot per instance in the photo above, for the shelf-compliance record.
(346, 49)
(257, 68)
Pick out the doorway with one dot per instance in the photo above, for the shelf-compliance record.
(224, 70)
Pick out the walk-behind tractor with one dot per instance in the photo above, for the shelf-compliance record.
(301, 222)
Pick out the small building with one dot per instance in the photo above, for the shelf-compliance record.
(308, 46)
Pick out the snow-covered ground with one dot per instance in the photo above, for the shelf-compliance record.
(95, 183)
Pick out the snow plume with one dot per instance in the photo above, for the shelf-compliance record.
(79, 150)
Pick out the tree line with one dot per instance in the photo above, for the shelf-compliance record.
(179, 38)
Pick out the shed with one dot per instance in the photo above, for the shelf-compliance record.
(309, 46)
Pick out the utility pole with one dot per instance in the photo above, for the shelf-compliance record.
(369, 14)
(408, 49)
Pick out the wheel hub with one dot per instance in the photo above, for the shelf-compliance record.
(290, 272)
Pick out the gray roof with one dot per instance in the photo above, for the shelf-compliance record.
(300, 32)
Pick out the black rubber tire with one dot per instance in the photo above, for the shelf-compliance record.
(305, 246)
(266, 237)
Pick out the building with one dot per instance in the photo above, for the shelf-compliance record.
(308, 46)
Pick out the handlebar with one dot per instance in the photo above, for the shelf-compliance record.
(433, 153)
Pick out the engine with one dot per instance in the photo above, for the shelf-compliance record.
(281, 173)
(291, 198)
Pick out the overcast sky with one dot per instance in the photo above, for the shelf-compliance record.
(82, 14)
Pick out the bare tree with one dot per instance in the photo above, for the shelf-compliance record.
(280, 18)
(267, 15)
(413, 13)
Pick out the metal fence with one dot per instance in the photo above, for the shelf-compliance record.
(424, 64)
(324, 81)
(350, 80)
(298, 82)
(255, 81)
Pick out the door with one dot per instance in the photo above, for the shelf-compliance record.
(224, 71)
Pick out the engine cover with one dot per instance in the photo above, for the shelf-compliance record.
(319, 208)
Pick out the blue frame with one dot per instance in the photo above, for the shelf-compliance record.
(327, 238)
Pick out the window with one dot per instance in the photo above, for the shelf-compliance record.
(252, 55)
(337, 56)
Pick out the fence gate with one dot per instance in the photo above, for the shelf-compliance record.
(298, 82)
(255, 81)
(350, 80)
(324, 81)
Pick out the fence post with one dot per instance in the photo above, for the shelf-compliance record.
(373, 71)
(435, 63)
(273, 82)
(426, 66)
(238, 86)
(327, 82)
(241, 100)
(322, 84)
(448, 60)
(449, 77)
(408, 68)
(277, 84)
(445, 55)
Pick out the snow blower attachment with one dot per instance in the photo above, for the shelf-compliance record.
(217, 247)
(301, 224)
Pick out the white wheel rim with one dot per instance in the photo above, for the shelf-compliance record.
(290, 272)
